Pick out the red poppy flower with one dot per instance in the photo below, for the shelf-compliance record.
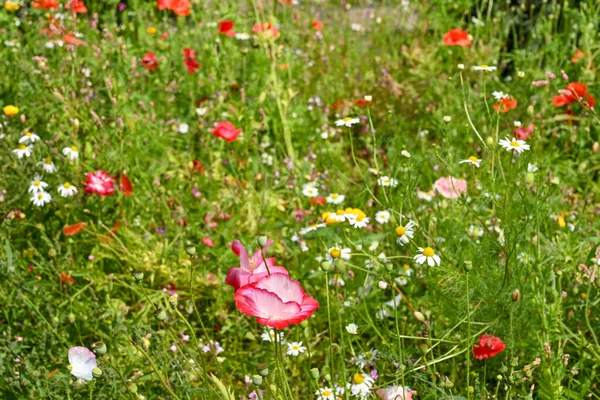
(317, 25)
(69, 38)
(266, 30)
(574, 93)
(317, 200)
(226, 130)
(198, 167)
(125, 185)
(523, 133)
(74, 229)
(149, 61)
(46, 4)
(226, 28)
(78, 6)
(68, 279)
(360, 103)
(457, 37)
(189, 58)
(99, 182)
(505, 105)
(179, 7)
(579, 54)
(488, 347)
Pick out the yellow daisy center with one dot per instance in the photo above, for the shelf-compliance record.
(22, 147)
(74, 148)
(40, 196)
(335, 253)
(327, 392)
(484, 66)
(296, 347)
(47, 160)
(400, 231)
(28, 134)
(473, 158)
(406, 267)
(37, 183)
(358, 378)
(347, 119)
(67, 185)
(340, 212)
(428, 252)
(515, 144)
(335, 196)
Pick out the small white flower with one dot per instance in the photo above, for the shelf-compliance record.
(461, 66)
(368, 98)
(387, 181)
(67, 190)
(71, 152)
(81, 362)
(309, 190)
(447, 118)
(499, 95)
(475, 231)
(270, 336)
(242, 36)
(402, 281)
(405, 153)
(29, 137)
(374, 171)
(477, 21)
(517, 124)
(361, 385)
(347, 121)
(471, 160)
(336, 252)
(405, 233)
(324, 135)
(311, 228)
(521, 74)
(335, 198)
(23, 151)
(531, 168)
(382, 285)
(427, 196)
(383, 216)
(515, 144)
(352, 329)
(48, 165)
(37, 185)
(201, 111)
(295, 348)
(427, 255)
(325, 394)
(359, 222)
(374, 245)
(41, 198)
(183, 128)
(484, 67)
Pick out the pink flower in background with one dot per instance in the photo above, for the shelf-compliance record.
(251, 269)
(99, 182)
(82, 362)
(208, 242)
(276, 301)
(396, 393)
(523, 133)
(450, 187)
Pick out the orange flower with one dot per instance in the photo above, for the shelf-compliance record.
(317, 25)
(574, 93)
(74, 229)
(579, 54)
(78, 6)
(457, 37)
(68, 279)
(505, 105)
(46, 4)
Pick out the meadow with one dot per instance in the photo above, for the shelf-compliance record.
(299, 199)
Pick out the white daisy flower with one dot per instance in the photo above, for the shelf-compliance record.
(382, 285)
(499, 95)
(407, 270)
(361, 385)
(475, 231)
(336, 252)
(270, 336)
(517, 124)
(447, 118)
(347, 121)
(484, 67)
(23, 151)
(374, 171)
(309, 190)
(201, 111)
(427, 196)
(359, 222)
(427, 255)
(402, 281)
(311, 228)
(395, 302)
(37, 185)
(295, 348)
(48, 165)
(81, 362)
(383, 216)
(515, 144)
(183, 128)
(29, 137)
(471, 160)
(374, 245)
(335, 198)
(71, 152)
(405, 233)
(387, 181)
(352, 329)
(41, 198)
(67, 190)
(325, 394)
(366, 358)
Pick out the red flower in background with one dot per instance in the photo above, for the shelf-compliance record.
(505, 105)
(78, 6)
(226, 130)
(579, 54)
(226, 28)
(488, 347)
(74, 229)
(125, 185)
(457, 37)
(179, 7)
(46, 4)
(317, 25)
(99, 182)
(266, 30)
(68, 279)
(320, 200)
(149, 61)
(522, 133)
(574, 93)
(189, 58)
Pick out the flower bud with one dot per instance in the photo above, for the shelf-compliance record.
(314, 373)
(529, 180)
(138, 275)
(447, 118)
(304, 324)
(262, 240)
(99, 348)
(132, 387)
(327, 377)
(419, 316)
(368, 98)
(499, 377)
(173, 300)
(468, 265)
(595, 147)
(325, 266)
(515, 295)
(340, 266)
(71, 318)
(262, 369)
(97, 372)
(389, 266)
(257, 380)
(190, 250)
(160, 314)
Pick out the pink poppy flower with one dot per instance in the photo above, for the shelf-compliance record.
(226, 130)
(523, 133)
(251, 269)
(276, 301)
(395, 393)
(82, 362)
(450, 187)
(99, 182)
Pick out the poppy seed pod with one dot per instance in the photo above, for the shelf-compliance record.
(99, 348)
(419, 316)
(314, 373)
(262, 369)
(340, 266)
(257, 380)
(304, 324)
(138, 275)
(190, 250)
(468, 265)
(262, 240)
(325, 266)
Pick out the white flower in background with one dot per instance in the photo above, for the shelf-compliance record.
(335, 198)
(356, 27)
(427, 255)
(23, 151)
(500, 95)
(361, 385)
(295, 349)
(347, 121)
(387, 181)
(383, 216)
(405, 233)
(460, 66)
(447, 118)
(40, 199)
(484, 67)
(325, 394)
(366, 358)
(360, 221)
(48, 165)
(374, 171)
(213, 346)
(427, 196)
(352, 329)
(368, 98)
(336, 252)
(471, 160)
(67, 190)
(475, 231)
(515, 144)
(407, 270)
(81, 362)
(29, 137)
(517, 124)
(401, 281)
(270, 336)
(382, 285)
(37, 185)
(71, 152)
(532, 168)
(183, 128)
(201, 111)
(310, 190)
(374, 245)
(242, 36)
(311, 228)
(405, 153)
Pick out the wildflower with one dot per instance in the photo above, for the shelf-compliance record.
(475, 231)
(457, 37)
(387, 181)
(226, 130)
(447, 118)
(450, 187)
(265, 31)
(505, 104)
(484, 67)
(317, 25)
(23, 151)
(309, 190)
(99, 182)
(368, 98)
(427, 255)
(10, 110)
(242, 36)
(407, 270)
(579, 54)
(361, 385)
(348, 121)
(325, 393)
(189, 59)
(214, 347)
(524, 133)
(499, 95)
(179, 7)
(382, 285)
(472, 160)
(374, 171)
(488, 347)
(183, 128)
(427, 196)
(405, 153)
(37, 185)
(276, 301)
(81, 362)
(251, 269)
(149, 61)
(396, 393)
(71, 152)
(67, 190)
(40, 198)
(77, 6)
(125, 185)
(531, 168)
(357, 218)
(295, 348)
(336, 252)
(10, 6)
(521, 74)
(335, 198)
(74, 229)
(383, 216)
(226, 28)
(269, 336)
(352, 329)
(151, 30)
(405, 233)
(517, 145)
(29, 137)
(366, 358)
(574, 93)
